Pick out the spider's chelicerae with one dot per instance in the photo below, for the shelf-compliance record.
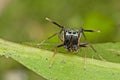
(71, 39)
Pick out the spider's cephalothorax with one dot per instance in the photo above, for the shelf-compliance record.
(71, 39)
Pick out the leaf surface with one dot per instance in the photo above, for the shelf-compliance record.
(66, 66)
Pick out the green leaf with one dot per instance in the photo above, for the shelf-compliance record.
(65, 66)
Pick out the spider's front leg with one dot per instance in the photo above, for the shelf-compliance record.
(60, 26)
(53, 56)
(81, 32)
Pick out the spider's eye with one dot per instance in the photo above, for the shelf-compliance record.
(69, 32)
(65, 31)
(74, 32)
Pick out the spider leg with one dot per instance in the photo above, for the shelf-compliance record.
(88, 44)
(47, 39)
(81, 32)
(97, 52)
(85, 54)
(60, 35)
(91, 30)
(57, 33)
(53, 56)
(60, 26)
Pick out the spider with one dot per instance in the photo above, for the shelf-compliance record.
(71, 40)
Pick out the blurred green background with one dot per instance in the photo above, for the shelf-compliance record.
(24, 20)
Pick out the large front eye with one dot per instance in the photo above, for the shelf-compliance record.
(74, 32)
(69, 32)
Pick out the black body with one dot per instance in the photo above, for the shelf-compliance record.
(71, 40)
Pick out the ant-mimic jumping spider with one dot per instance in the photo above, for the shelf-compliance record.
(71, 40)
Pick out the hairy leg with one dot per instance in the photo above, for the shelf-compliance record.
(53, 56)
